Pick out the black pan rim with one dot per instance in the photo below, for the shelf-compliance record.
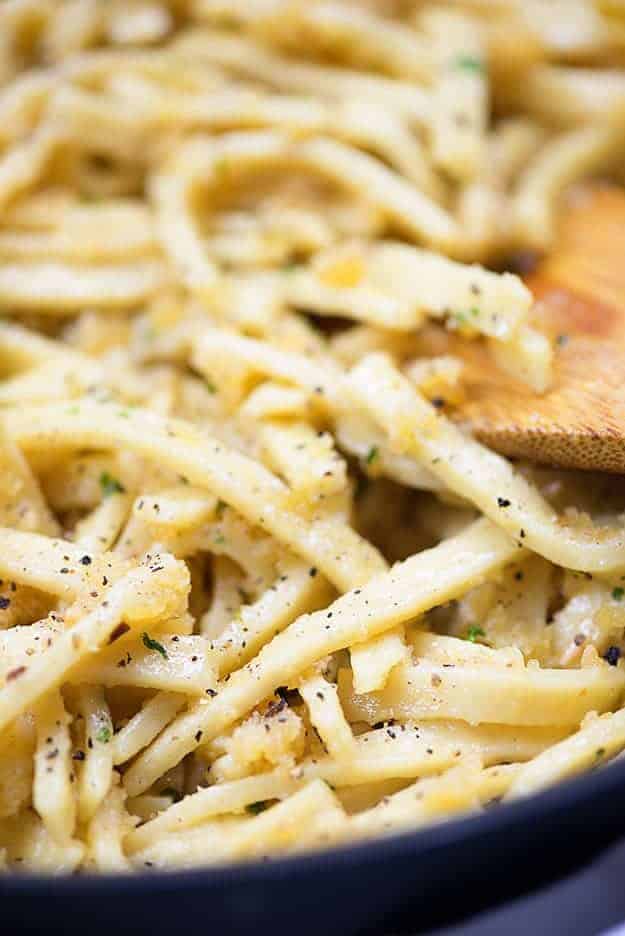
(567, 795)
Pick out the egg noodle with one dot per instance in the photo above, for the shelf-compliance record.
(260, 590)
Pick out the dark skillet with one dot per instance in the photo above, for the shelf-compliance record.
(407, 883)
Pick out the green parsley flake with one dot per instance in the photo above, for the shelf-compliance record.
(104, 734)
(152, 644)
(210, 386)
(219, 539)
(470, 64)
(372, 454)
(458, 318)
(474, 632)
(256, 808)
(110, 485)
(617, 593)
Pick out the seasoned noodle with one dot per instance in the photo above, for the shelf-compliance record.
(260, 591)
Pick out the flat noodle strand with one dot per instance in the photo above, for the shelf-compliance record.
(259, 590)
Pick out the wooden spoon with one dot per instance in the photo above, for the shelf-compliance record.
(580, 302)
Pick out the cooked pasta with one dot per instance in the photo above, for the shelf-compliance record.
(260, 590)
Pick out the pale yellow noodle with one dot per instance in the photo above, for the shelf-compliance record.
(259, 590)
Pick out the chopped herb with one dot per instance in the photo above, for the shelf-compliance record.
(152, 644)
(110, 485)
(219, 539)
(256, 808)
(474, 632)
(474, 311)
(469, 63)
(372, 454)
(617, 593)
(210, 386)
(104, 734)
(289, 265)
